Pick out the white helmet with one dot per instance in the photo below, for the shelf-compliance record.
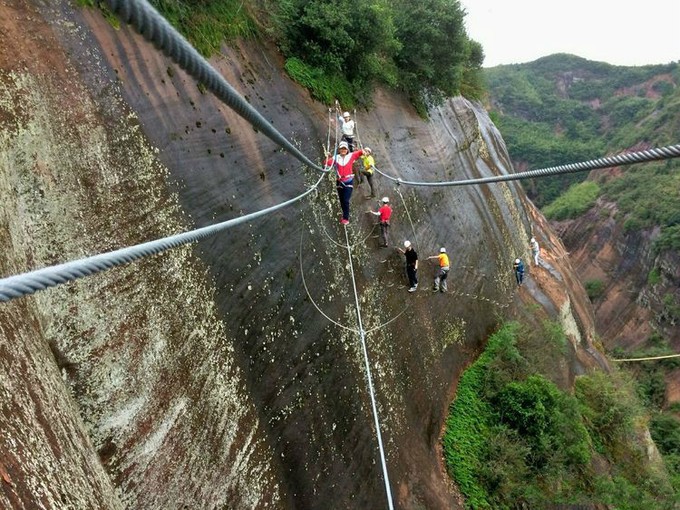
(368, 150)
(533, 239)
(343, 145)
(346, 114)
(442, 250)
(385, 200)
(517, 261)
(407, 244)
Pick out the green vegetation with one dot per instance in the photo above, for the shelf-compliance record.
(654, 276)
(594, 288)
(207, 24)
(564, 109)
(420, 48)
(341, 49)
(650, 385)
(644, 196)
(576, 201)
(515, 439)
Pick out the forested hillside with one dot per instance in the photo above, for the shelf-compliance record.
(563, 109)
(621, 225)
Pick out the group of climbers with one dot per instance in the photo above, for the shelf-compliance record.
(343, 163)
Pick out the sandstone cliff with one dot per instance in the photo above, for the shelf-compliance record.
(205, 377)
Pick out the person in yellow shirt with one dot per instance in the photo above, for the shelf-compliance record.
(442, 272)
(367, 170)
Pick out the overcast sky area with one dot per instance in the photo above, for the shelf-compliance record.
(616, 32)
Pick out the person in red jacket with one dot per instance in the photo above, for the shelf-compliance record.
(343, 162)
(385, 213)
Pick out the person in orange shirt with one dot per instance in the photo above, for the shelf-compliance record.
(343, 162)
(442, 272)
(385, 213)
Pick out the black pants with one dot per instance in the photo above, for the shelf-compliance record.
(384, 233)
(350, 142)
(412, 273)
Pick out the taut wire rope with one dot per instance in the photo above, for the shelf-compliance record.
(362, 335)
(649, 358)
(27, 283)
(156, 29)
(668, 152)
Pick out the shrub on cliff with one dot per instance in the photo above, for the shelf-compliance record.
(420, 48)
(514, 438)
(576, 201)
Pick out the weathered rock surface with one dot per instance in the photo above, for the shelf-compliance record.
(206, 377)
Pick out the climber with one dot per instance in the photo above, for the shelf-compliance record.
(518, 266)
(411, 265)
(535, 249)
(442, 271)
(385, 212)
(347, 130)
(367, 170)
(345, 175)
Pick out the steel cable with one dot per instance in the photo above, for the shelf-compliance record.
(156, 29)
(27, 283)
(668, 152)
(374, 406)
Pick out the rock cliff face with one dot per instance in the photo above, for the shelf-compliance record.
(207, 377)
(640, 287)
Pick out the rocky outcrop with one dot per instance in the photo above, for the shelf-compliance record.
(210, 376)
(639, 285)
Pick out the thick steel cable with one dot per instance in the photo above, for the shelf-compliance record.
(362, 335)
(668, 152)
(40, 279)
(150, 24)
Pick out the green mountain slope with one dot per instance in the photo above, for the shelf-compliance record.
(563, 109)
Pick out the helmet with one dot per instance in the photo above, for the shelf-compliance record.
(407, 244)
(343, 145)
(442, 250)
(367, 150)
(385, 200)
(346, 114)
(517, 261)
(533, 239)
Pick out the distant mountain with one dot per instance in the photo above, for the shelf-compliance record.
(563, 109)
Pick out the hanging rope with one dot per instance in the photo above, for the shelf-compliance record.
(304, 283)
(413, 228)
(155, 29)
(671, 151)
(40, 279)
(374, 406)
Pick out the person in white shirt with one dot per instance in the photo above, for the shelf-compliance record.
(535, 250)
(347, 126)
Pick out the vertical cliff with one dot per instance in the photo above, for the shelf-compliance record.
(206, 377)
